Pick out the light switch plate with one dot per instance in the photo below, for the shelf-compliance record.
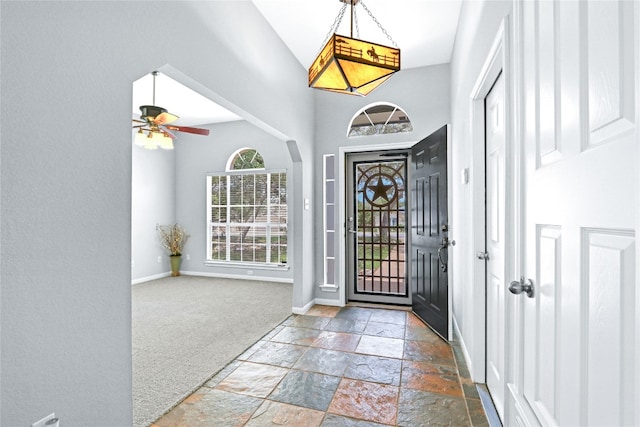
(464, 175)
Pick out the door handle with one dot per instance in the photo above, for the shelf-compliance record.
(517, 287)
(446, 242)
(482, 255)
(351, 229)
(444, 245)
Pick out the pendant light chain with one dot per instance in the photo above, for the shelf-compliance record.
(334, 27)
(355, 20)
(377, 23)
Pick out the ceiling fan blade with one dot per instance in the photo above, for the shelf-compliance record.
(164, 118)
(186, 129)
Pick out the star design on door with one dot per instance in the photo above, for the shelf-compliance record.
(380, 190)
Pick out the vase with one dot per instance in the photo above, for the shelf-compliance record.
(175, 264)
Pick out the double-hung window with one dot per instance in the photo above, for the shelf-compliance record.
(247, 213)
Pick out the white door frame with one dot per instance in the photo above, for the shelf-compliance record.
(637, 37)
(341, 207)
(498, 60)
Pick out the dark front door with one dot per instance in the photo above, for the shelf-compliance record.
(429, 232)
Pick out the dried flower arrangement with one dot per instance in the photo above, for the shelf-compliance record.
(172, 237)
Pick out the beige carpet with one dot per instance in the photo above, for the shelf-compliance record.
(187, 328)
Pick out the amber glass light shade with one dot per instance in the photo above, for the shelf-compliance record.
(353, 66)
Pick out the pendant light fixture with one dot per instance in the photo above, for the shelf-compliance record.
(350, 65)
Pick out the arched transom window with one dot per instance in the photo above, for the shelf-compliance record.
(245, 158)
(379, 119)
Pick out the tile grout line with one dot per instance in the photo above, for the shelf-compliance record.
(464, 395)
(404, 339)
(288, 322)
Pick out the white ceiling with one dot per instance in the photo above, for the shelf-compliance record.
(192, 108)
(424, 30)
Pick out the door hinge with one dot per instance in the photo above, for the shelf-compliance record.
(482, 255)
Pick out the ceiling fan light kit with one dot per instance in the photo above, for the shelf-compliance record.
(155, 122)
(350, 65)
(153, 139)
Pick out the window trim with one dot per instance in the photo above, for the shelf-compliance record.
(250, 265)
(209, 224)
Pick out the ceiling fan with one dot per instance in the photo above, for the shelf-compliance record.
(154, 130)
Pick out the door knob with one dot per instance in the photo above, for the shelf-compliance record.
(351, 228)
(517, 287)
(443, 246)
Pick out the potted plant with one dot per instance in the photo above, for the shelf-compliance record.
(172, 238)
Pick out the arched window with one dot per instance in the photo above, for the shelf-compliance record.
(379, 119)
(245, 158)
(247, 212)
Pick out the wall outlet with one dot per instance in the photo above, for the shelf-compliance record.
(43, 422)
(160, 259)
(188, 257)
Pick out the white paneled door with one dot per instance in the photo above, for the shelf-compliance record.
(575, 310)
(495, 238)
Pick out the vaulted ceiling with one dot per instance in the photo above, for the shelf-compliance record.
(424, 30)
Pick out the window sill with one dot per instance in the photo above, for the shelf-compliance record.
(253, 266)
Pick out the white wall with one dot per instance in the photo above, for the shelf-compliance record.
(423, 93)
(169, 187)
(196, 157)
(153, 201)
(66, 75)
(477, 28)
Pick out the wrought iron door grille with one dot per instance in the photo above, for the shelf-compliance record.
(381, 227)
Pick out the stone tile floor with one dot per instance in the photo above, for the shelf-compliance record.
(351, 366)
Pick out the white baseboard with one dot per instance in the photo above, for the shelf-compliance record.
(303, 310)
(463, 347)
(331, 302)
(237, 276)
(220, 275)
(150, 278)
(317, 301)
